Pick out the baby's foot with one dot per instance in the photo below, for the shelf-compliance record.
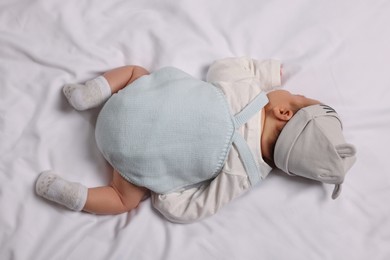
(94, 93)
(69, 194)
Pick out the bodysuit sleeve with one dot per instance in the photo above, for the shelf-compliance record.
(266, 73)
(196, 203)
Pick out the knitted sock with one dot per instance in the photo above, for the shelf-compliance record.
(94, 93)
(69, 194)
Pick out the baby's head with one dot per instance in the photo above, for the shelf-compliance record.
(307, 139)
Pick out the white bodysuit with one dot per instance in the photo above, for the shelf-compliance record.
(240, 79)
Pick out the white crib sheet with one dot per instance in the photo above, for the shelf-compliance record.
(334, 51)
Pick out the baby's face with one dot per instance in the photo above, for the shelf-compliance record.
(285, 97)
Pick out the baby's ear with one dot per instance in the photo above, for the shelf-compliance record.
(283, 113)
(345, 150)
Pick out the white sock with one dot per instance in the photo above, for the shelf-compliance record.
(94, 93)
(69, 194)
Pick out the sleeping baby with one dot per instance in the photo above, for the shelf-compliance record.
(195, 145)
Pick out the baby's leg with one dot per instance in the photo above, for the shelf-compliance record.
(118, 197)
(72, 195)
(121, 77)
(96, 91)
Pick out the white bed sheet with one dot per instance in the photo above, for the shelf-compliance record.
(335, 51)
